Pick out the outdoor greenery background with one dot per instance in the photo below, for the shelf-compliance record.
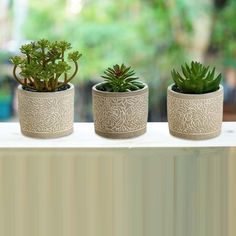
(152, 36)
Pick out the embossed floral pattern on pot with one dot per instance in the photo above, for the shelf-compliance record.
(120, 114)
(195, 116)
(46, 114)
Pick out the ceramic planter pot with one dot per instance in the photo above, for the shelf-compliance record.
(46, 114)
(120, 114)
(195, 116)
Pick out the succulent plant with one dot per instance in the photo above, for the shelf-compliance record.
(120, 78)
(196, 79)
(43, 66)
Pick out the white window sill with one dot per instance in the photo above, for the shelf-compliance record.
(157, 136)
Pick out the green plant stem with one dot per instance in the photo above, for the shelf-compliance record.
(37, 85)
(46, 84)
(28, 61)
(51, 84)
(73, 75)
(15, 76)
(63, 59)
(44, 62)
(31, 81)
(56, 82)
(65, 77)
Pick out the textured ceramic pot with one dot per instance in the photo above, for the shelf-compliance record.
(46, 114)
(195, 116)
(120, 114)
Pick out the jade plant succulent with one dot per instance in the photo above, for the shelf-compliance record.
(120, 78)
(196, 79)
(44, 65)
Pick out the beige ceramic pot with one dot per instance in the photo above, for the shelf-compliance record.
(46, 114)
(195, 116)
(120, 114)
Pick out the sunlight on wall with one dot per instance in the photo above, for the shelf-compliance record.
(74, 7)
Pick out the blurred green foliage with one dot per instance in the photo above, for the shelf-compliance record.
(137, 33)
(224, 33)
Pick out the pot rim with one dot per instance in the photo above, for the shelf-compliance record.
(20, 87)
(119, 93)
(194, 96)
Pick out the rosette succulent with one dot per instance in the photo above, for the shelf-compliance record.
(120, 78)
(196, 79)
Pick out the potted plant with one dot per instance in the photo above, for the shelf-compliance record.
(120, 104)
(45, 94)
(195, 103)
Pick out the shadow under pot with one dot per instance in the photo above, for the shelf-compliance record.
(195, 116)
(46, 114)
(120, 114)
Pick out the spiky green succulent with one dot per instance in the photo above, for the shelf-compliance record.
(43, 65)
(120, 78)
(196, 79)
